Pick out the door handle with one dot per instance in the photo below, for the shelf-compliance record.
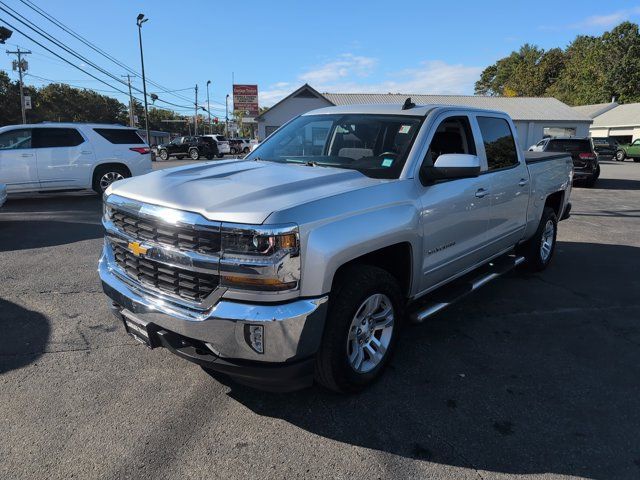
(481, 192)
(27, 155)
(523, 182)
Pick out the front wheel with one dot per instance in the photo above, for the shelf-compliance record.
(539, 249)
(164, 155)
(620, 155)
(363, 320)
(246, 150)
(194, 154)
(232, 151)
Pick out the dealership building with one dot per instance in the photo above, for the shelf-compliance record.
(534, 117)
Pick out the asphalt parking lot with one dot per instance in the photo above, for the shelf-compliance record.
(533, 375)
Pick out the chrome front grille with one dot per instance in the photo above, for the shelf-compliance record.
(190, 239)
(194, 286)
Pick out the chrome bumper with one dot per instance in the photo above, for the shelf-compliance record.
(292, 330)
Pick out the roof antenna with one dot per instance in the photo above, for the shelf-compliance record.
(408, 104)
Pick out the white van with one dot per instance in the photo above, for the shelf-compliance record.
(70, 156)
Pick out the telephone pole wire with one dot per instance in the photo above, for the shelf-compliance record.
(21, 66)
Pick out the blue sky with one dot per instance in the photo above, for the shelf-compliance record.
(335, 46)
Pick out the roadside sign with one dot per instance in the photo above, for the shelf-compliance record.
(245, 98)
(27, 102)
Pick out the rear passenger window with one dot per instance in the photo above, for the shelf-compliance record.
(499, 144)
(120, 136)
(453, 135)
(56, 137)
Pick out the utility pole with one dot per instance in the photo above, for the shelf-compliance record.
(226, 115)
(195, 117)
(132, 119)
(209, 107)
(21, 67)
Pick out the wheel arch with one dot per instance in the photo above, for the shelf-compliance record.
(555, 201)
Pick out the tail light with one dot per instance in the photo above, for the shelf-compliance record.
(586, 156)
(141, 150)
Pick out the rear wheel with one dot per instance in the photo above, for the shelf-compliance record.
(232, 151)
(539, 249)
(362, 327)
(246, 150)
(620, 155)
(194, 154)
(106, 175)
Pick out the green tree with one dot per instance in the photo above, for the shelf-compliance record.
(9, 101)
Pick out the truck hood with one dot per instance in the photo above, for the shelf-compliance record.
(240, 191)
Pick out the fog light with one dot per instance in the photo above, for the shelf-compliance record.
(254, 336)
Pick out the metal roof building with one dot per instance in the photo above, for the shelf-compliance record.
(621, 122)
(534, 117)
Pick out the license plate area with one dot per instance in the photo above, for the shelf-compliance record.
(142, 332)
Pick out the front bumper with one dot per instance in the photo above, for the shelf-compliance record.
(291, 331)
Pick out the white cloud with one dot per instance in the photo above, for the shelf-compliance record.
(606, 20)
(352, 74)
(344, 66)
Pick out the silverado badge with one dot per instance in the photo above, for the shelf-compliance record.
(136, 249)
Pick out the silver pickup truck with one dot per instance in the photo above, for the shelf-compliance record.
(303, 260)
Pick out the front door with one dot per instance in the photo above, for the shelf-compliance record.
(454, 213)
(18, 169)
(634, 149)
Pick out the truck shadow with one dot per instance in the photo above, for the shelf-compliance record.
(616, 184)
(532, 374)
(24, 335)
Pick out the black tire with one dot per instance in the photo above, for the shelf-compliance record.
(232, 151)
(164, 155)
(246, 150)
(356, 284)
(210, 157)
(531, 250)
(220, 155)
(104, 173)
(194, 154)
(620, 156)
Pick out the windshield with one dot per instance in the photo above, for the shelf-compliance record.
(376, 145)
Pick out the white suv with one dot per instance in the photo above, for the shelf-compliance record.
(223, 143)
(70, 156)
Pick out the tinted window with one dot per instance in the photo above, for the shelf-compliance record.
(499, 144)
(453, 135)
(56, 137)
(15, 139)
(120, 136)
(569, 145)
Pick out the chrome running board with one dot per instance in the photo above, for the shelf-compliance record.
(448, 294)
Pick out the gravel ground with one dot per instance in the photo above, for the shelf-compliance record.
(532, 376)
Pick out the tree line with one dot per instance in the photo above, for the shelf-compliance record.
(591, 69)
(58, 102)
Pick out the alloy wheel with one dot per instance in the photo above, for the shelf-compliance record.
(546, 244)
(108, 178)
(370, 333)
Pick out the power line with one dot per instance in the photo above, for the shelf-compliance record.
(97, 49)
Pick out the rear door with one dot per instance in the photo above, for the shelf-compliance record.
(508, 180)
(454, 213)
(64, 157)
(18, 168)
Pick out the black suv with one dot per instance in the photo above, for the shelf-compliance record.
(585, 160)
(193, 147)
(605, 146)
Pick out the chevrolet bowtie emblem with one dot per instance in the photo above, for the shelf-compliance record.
(136, 249)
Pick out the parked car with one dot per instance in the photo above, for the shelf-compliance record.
(70, 156)
(3, 194)
(629, 150)
(239, 145)
(586, 168)
(605, 146)
(192, 147)
(300, 261)
(223, 144)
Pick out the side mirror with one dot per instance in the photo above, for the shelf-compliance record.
(451, 165)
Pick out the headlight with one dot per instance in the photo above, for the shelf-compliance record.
(260, 258)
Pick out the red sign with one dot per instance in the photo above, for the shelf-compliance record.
(245, 99)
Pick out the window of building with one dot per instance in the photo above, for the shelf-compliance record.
(499, 144)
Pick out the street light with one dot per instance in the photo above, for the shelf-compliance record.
(209, 106)
(5, 34)
(139, 21)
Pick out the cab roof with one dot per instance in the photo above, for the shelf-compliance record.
(395, 109)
